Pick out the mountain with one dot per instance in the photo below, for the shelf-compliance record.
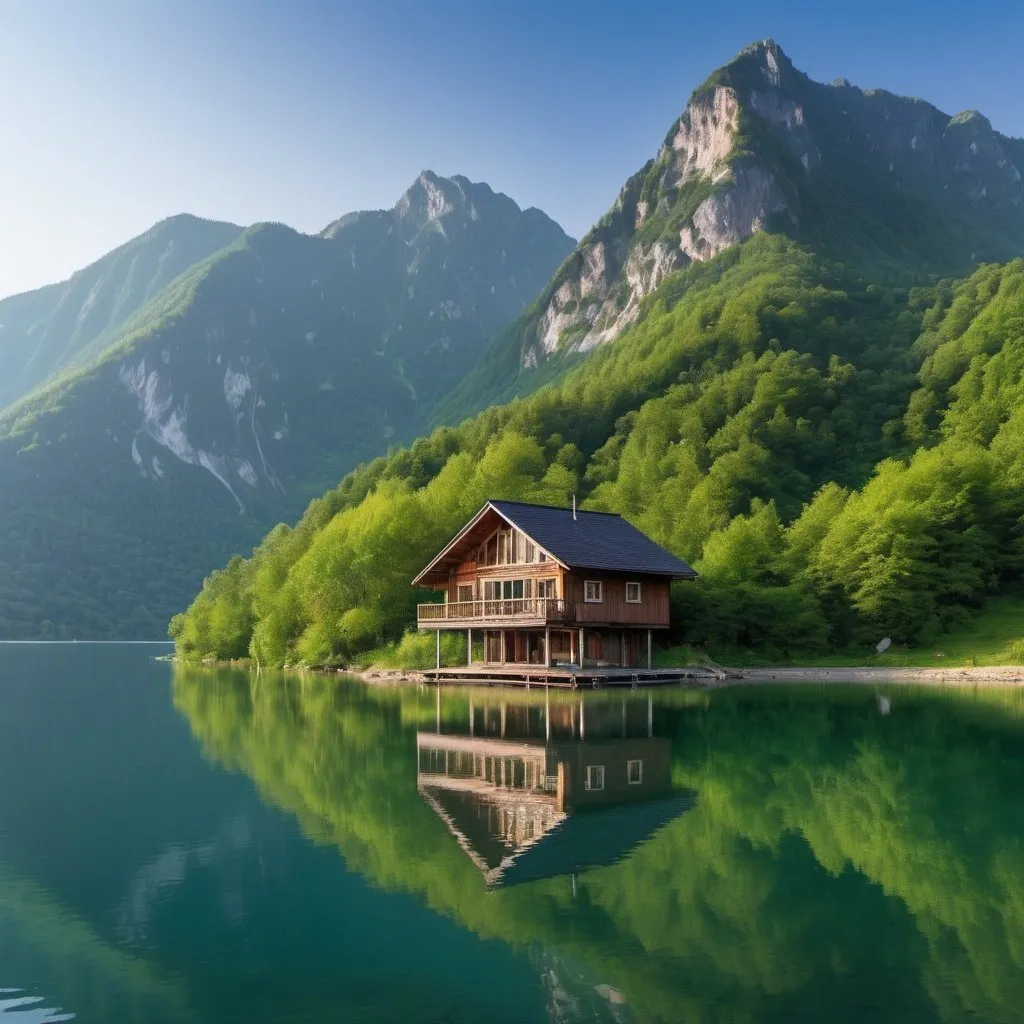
(887, 183)
(793, 399)
(45, 331)
(251, 382)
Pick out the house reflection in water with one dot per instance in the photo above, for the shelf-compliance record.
(534, 789)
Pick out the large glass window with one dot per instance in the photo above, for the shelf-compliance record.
(546, 588)
(508, 547)
(507, 590)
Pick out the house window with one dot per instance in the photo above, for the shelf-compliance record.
(498, 590)
(489, 551)
(593, 591)
(595, 776)
(546, 588)
(509, 547)
(632, 593)
(634, 772)
(465, 592)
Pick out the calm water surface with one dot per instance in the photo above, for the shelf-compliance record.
(193, 845)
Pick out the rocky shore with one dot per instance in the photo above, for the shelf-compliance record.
(996, 675)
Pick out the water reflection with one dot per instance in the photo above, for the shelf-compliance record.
(67, 962)
(531, 790)
(839, 863)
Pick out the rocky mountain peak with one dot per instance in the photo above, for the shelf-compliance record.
(770, 60)
(429, 198)
(427, 201)
(758, 145)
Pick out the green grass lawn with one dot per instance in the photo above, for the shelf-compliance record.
(995, 636)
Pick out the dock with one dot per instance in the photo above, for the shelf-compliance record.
(570, 678)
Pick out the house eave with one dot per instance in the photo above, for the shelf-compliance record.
(426, 573)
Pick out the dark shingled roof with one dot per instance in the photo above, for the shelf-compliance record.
(593, 540)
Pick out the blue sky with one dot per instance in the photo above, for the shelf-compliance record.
(114, 115)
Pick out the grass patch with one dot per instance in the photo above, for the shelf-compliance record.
(995, 636)
(416, 651)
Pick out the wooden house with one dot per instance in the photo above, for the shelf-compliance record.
(552, 587)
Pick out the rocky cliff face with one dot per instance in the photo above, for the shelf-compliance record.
(757, 147)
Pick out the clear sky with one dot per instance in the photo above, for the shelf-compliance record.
(117, 113)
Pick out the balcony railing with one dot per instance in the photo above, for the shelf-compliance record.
(539, 609)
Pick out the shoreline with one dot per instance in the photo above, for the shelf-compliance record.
(994, 675)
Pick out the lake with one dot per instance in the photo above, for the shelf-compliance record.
(184, 844)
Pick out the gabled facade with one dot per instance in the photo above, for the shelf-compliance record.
(552, 587)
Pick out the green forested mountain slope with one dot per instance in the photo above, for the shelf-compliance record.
(44, 331)
(841, 461)
(887, 183)
(759, 390)
(250, 384)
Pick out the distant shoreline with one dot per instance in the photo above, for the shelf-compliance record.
(78, 643)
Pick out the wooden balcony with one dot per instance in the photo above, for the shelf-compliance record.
(516, 611)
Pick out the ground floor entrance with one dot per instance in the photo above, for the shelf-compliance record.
(566, 648)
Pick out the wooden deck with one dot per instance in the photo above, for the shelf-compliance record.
(503, 613)
(569, 678)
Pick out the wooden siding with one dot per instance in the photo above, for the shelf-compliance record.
(614, 610)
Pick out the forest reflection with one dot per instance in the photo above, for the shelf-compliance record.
(823, 858)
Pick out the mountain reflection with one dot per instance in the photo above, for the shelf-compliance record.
(836, 863)
(533, 791)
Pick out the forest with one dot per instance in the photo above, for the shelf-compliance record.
(841, 459)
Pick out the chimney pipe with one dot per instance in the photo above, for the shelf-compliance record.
(574, 508)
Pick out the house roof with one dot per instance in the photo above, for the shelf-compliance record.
(590, 839)
(569, 844)
(592, 540)
(601, 541)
